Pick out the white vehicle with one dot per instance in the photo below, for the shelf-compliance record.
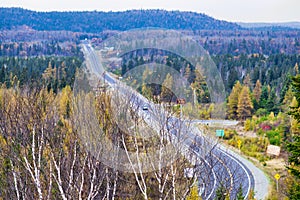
(145, 107)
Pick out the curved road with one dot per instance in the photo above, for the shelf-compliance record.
(219, 166)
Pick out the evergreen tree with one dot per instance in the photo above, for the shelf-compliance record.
(285, 87)
(239, 195)
(293, 146)
(232, 105)
(295, 128)
(221, 193)
(264, 97)
(200, 89)
(245, 105)
(287, 100)
(233, 76)
(271, 104)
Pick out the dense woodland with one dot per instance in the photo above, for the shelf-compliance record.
(41, 155)
(95, 22)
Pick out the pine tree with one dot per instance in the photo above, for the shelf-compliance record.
(50, 76)
(271, 104)
(295, 128)
(264, 96)
(285, 87)
(257, 91)
(287, 100)
(293, 147)
(239, 195)
(221, 193)
(62, 75)
(245, 105)
(233, 76)
(233, 101)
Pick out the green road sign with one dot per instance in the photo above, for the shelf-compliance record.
(220, 133)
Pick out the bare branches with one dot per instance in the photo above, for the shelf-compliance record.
(57, 176)
(138, 174)
(15, 179)
(35, 169)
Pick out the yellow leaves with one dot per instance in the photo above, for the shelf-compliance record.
(257, 91)
(247, 125)
(245, 105)
(233, 100)
(294, 103)
(46, 99)
(49, 72)
(193, 193)
(251, 195)
(296, 68)
(295, 128)
(65, 102)
(3, 142)
(47, 153)
(67, 126)
(272, 116)
(2, 89)
(254, 118)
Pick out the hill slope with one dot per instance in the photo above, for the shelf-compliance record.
(94, 22)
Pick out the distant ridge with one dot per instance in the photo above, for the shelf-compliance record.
(260, 25)
(94, 22)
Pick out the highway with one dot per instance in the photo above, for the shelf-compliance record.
(218, 165)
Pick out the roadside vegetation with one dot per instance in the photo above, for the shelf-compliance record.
(253, 135)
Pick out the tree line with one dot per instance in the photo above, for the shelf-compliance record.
(53, 72)
(97, 21)
(44, 48)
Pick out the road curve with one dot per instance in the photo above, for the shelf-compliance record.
(222, 166)
(261, 181)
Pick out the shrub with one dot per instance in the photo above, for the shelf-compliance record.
(229, 134)
(274, 137)
(247, 125)
(261, 112)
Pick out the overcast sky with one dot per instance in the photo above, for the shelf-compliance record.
(230, 10)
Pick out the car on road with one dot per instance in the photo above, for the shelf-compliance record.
(145, 107)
